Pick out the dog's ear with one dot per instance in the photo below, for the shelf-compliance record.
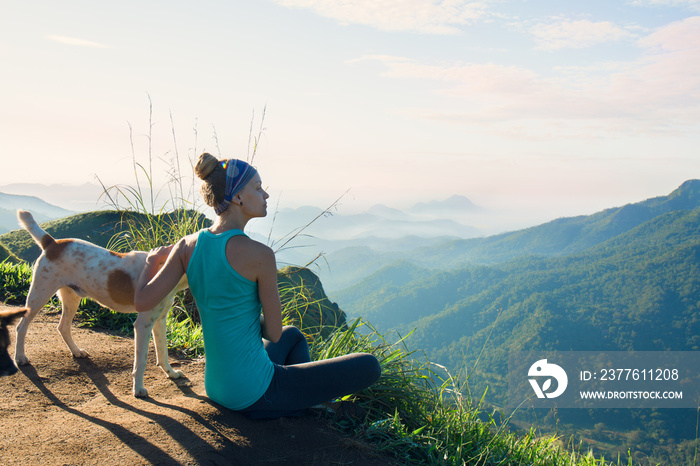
(9, 316)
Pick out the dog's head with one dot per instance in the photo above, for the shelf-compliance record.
(7, 366)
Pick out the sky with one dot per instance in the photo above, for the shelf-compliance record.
(548, 108)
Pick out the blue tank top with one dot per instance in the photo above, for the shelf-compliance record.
(238, 370)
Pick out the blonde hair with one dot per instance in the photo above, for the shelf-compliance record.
(210, 170)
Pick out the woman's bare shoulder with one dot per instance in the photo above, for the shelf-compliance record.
(186, 243)
(251, 248)
(261, 248)
(191, 239)
(185, 247)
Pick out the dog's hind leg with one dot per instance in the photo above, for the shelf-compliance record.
(142, 335)
(161, 343)
(38, 296)
(69, 304)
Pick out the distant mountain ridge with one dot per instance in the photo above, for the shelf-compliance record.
(572, 234)
(436, 218)
(455, 205)
(42, 210)
(76, 198)
(555, 238)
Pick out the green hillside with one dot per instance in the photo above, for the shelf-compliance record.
(6, 255)
(301, 290)
(98, 227)
(637, 291)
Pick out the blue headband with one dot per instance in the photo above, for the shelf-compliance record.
(238, 174)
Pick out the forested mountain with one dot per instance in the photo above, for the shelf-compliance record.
(623, 279)
(639, 291)
(631, 281)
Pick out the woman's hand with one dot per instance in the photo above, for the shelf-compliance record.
(157, 257)
(161, 273)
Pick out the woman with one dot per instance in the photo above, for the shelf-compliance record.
(231, 277)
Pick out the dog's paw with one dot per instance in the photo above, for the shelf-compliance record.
(170, 372)
(140, 392)
(173, 374)
(21, 360)
(80, 353)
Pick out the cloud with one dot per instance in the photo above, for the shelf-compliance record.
(76, 42)
(473, 78)
(691, 4)
(659, 91)
(681, 35)
(577, 34)
(424, 16)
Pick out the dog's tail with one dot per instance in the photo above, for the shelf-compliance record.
(41, 238)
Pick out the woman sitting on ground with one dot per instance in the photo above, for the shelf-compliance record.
(253, 364)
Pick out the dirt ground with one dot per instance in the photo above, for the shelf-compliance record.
(60, 410)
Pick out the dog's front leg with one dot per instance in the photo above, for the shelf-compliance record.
(161, 342)
(39, 294)
(142, 334)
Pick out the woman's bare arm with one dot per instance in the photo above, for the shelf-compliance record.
(162, 272)
(271, 319)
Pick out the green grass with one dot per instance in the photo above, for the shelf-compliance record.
(420, 414)
(14, 282)
(185, 336)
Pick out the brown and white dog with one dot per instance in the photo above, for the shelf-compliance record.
(74, 269)
(7, 367)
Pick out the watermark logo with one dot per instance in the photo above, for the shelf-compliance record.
(542, 369)
(604, 379)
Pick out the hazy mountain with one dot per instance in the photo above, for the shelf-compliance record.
(42, 211)
(356, 245)
(378, 221)
(559, 237)
(75, 198)
(639, 291)
(455, 205)
(381, 210)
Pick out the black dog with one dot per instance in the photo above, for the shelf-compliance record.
(7, 365)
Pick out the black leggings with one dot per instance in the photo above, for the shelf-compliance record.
(298, 383)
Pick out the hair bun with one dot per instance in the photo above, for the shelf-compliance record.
(205, 165)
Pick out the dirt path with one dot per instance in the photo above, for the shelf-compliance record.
(66, 411)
